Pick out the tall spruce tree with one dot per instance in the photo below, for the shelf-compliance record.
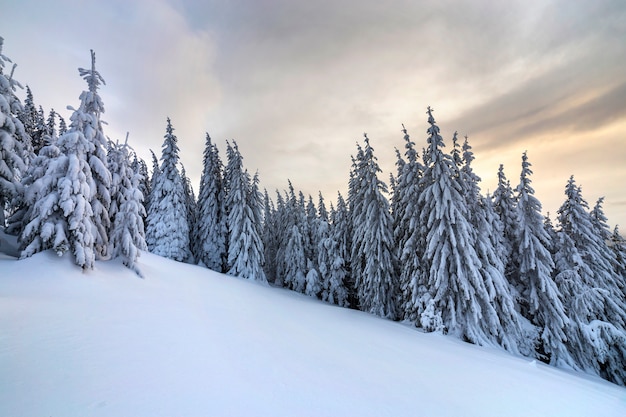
(458, 295)
(167, 226)
(373, 251)
(505, 205)
(211, 228)
(127, 210)
(596, 334)
(540, 298)
(407, 233)
(245, 248)
(91, 105)
(192, 214)
(509, 332)
(14, 141)
(62, 216)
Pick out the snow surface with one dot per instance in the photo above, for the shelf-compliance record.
(186, 341)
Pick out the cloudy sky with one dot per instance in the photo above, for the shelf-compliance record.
(297, 83)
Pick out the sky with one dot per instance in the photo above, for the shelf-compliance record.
(297, 83)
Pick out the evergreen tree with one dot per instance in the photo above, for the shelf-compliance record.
(505, 205)
(151, 238)
(192, 210)
(541, 299)
(32, 121)
(62, 217)
(245, 248)
(14, 142)
(342, 234)
(373, 240)
(141, 169)
(601, 228)
(270, 237)
(87, 120)
(39, 183)
(168, 229)
(211, 228)
(509, 331)
(618, 246)
(407, 233)
(295, 261)
(332, 264)
(596, 335)
(127, 210)
(459, 297)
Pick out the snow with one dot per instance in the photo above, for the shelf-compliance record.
(186, 341)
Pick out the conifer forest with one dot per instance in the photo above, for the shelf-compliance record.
(425, 247)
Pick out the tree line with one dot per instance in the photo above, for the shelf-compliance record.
(429, 250)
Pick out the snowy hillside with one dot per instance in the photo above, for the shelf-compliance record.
(185, 341)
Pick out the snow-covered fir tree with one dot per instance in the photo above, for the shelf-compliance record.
(596, 332)
(62, 216)
(372, 249)
(295, 261)
(509, 331)
(139, 167)
(505, 205)
(91, 105)
(211, 229)
(156, 173)
(167, 226)
(540, 299)
(192, 210)
(270, 237)
(407, 234)
(454, 281)
(618, 246)
(14, 142)
(332, 265)
(127, 211)
(245, 248)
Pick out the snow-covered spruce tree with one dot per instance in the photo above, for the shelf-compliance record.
(295, 261)
(505, 205)
(332, 264)
(211, 230)
(510, 333)
(245, 248)
(14, 142)
(62, 216)
(407, 233)
(156, 173)
(282, 230)
(167, 227)
(601, 228)
(127, 210)
(540, 298)
(38, 183)
(192, 210)
(91, 104)
(373, 250)
(618, 246)
(596, 334)
(34, 122)
(342, 234)
(454, 281)
(139, 167)
(270, 237)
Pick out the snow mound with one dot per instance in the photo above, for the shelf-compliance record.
(186, 341)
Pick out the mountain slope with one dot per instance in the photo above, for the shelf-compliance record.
(186, 341)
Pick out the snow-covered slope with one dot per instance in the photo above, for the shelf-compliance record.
(186, 341)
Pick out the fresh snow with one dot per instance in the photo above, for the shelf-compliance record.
(186, 341)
